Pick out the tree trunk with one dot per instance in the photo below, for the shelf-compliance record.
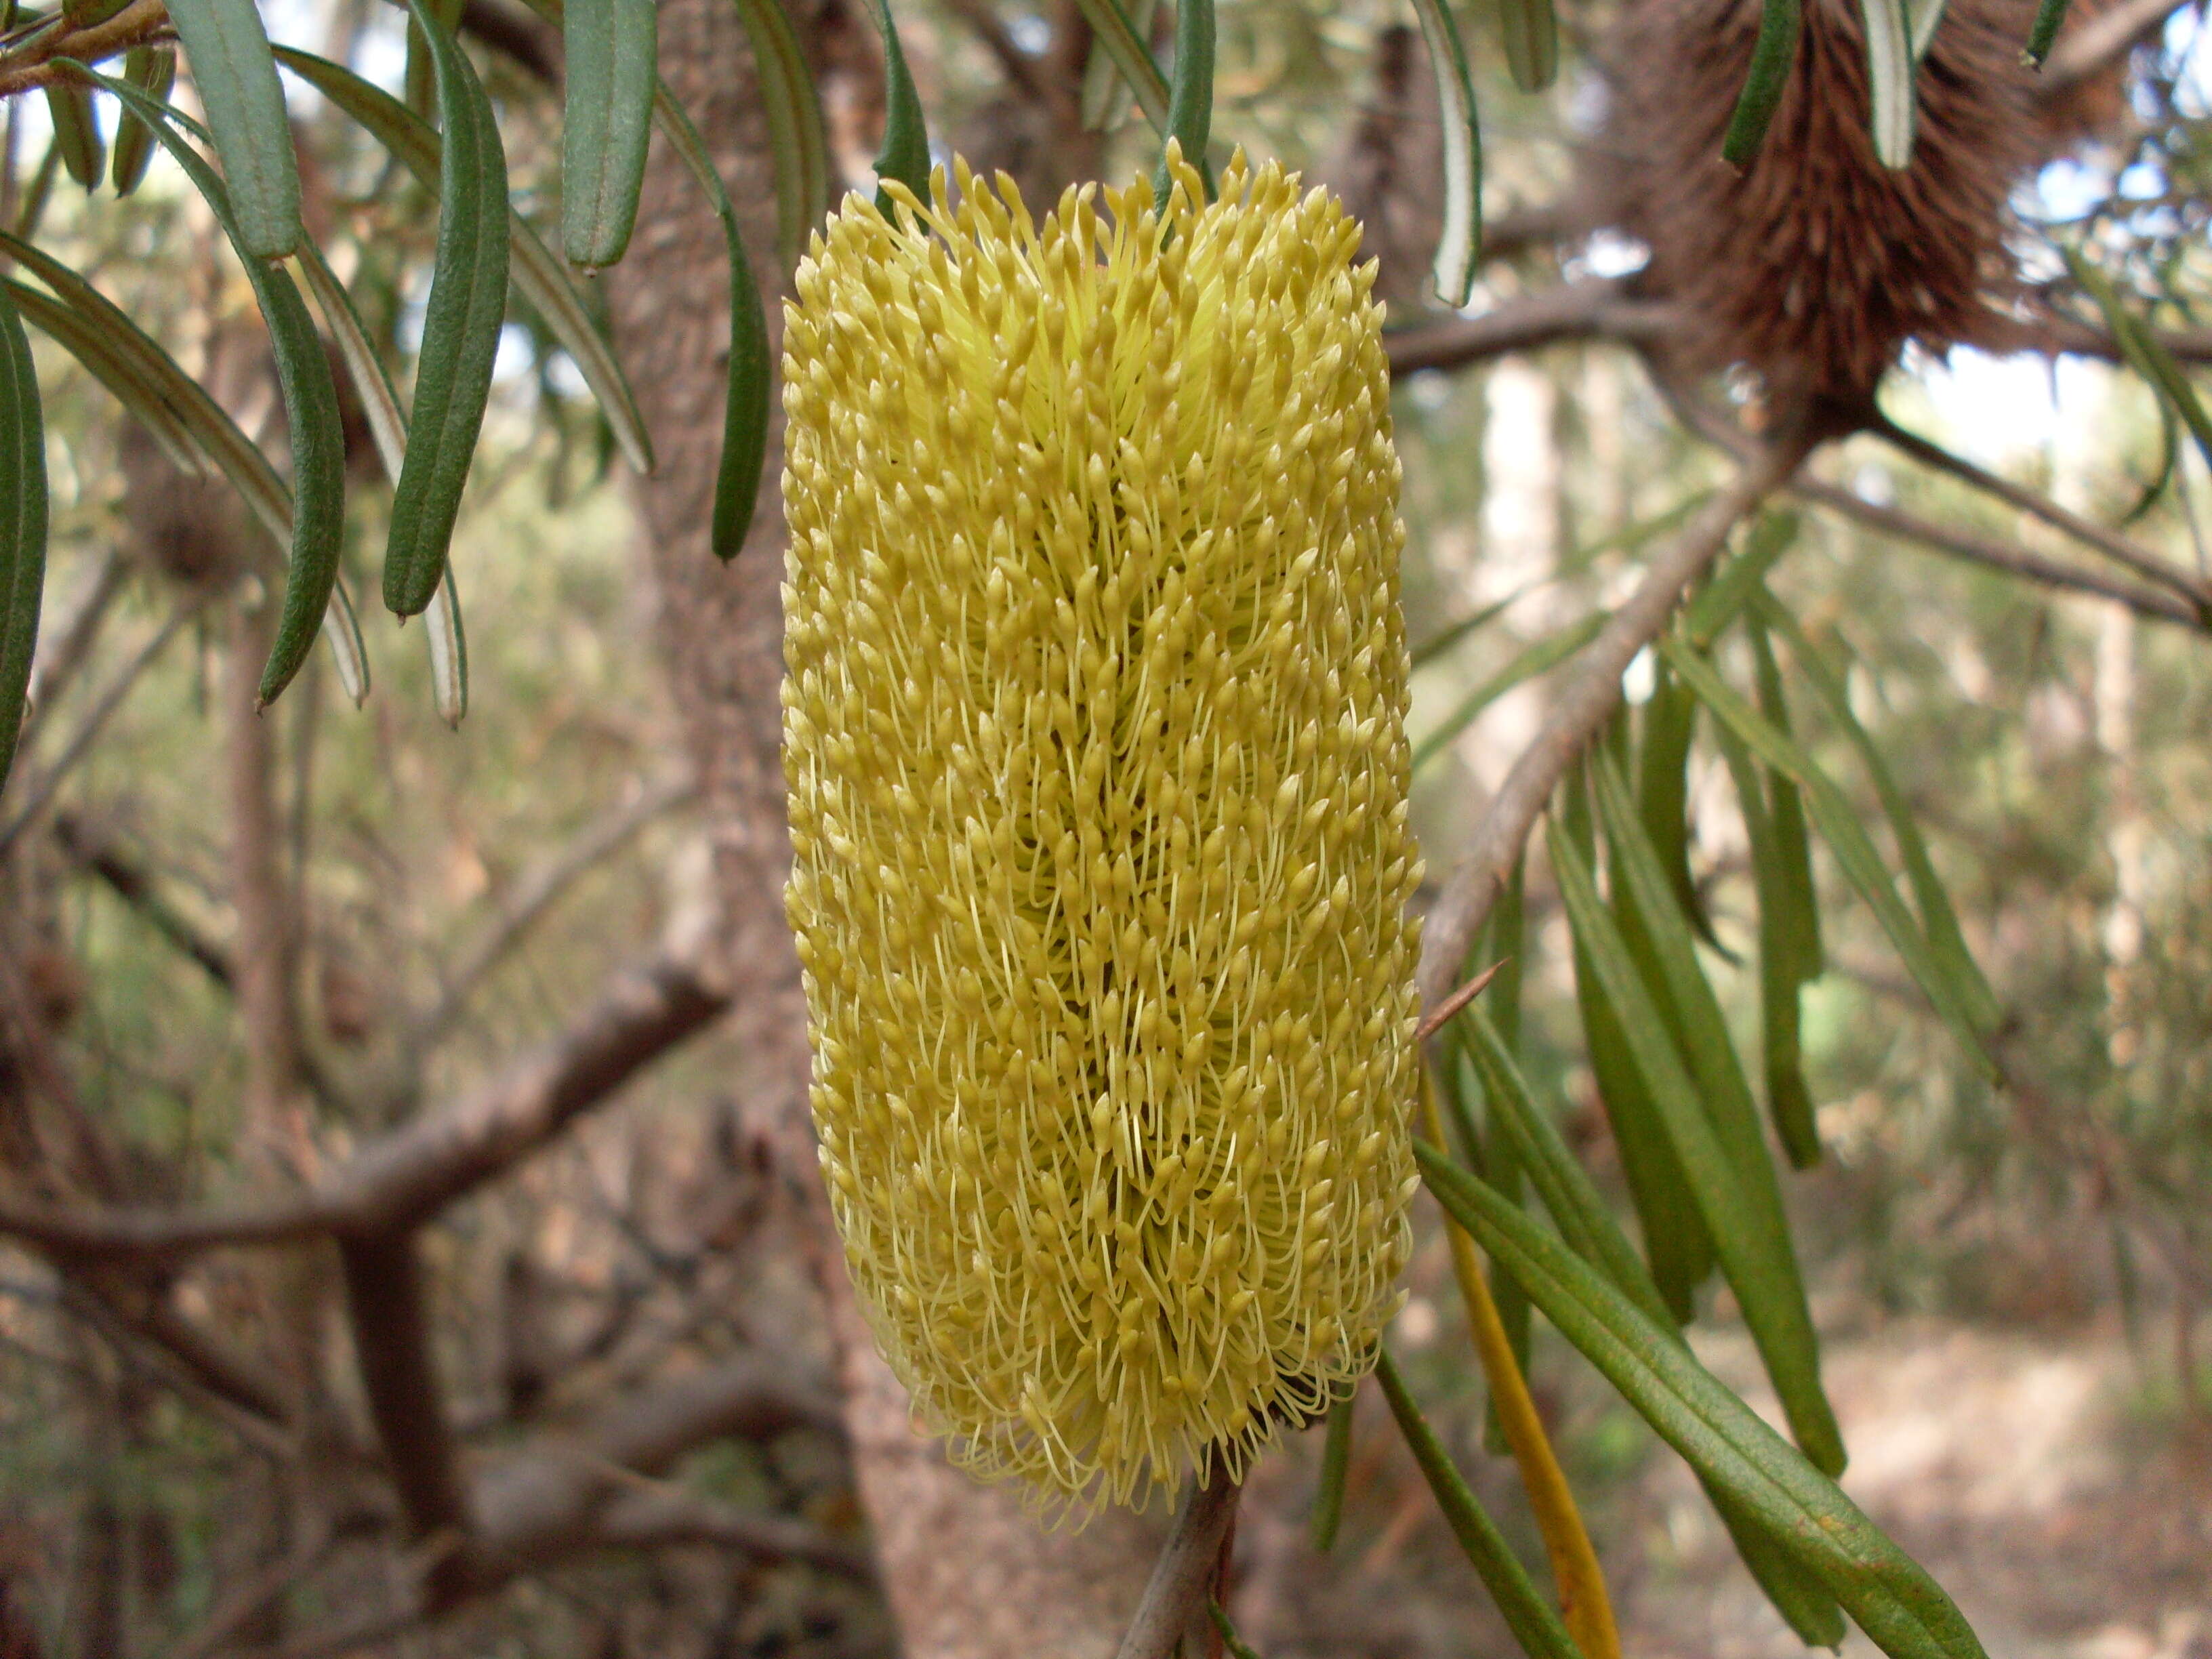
(969, 1574)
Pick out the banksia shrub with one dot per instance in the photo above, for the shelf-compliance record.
(1816, 264)
(1094, 731)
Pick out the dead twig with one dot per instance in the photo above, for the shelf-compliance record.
(1441, 1015)
(1598, 309)
(2116, 548)
(1971, 549)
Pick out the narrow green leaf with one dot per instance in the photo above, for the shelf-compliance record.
(536, 271)
(1750, 1227)
(380, 400)
(1559, 1179)
(2044, 32)
(1839, 827)
(1531, 660)
(148, 383)
(1717, 603)
(1458, 242)
(1124, 43)
(153, 70)
(797, 143)
(77, 132)
(1588, 1226)
(1500, 1161)
(39, 190)
(189, 424)
(1938, 915)
(1795, 1591)
(1508, 946)
(1530, 34)
(1531, 1619)
(1445, 638)
(1455, 1086)
(1190, 96)
(310, 411)
(1786, 814)
(2145, 353)
(1749, 1234)
(1676, 1243)
(745, 409)
(461, 323)
(1772, 58)
(1102, 81)
(1890, 71)
(1789, 1100)
(115, 367)
(1663, 789)
(612, 55)
(905, 154)
(1335, 1461)
(22, 525)
(388, 426)
(230, 54)
(1235, 1644)
(1892, 1597)
(1643, 895)
(449, 653)
(342, 632)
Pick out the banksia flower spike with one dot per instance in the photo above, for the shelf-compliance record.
(1094, 731)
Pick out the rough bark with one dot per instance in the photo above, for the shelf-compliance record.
(967, 1572)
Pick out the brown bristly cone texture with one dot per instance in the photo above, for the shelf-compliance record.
(1816, 264)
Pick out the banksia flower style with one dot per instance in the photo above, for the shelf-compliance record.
(1094, 730)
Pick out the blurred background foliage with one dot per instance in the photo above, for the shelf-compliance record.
(456, 894)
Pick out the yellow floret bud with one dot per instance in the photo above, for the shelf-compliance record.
(1095, 738)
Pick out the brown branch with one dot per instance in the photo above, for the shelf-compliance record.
(1184, 1574)
(415, 1171)
(645, 1010)
(548, 1504)
(1598, 309)
(2102, 39)
(2050, 333)
(392, 1352)
(134, 884)
(153, 1338)
(655, 1520)
(575, 1494)
(31, 64)
(118, 1233)
(2119, 549)
(1583, 705)
(1964, 545)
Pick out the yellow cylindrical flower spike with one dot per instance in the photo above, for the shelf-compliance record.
(1094, 730)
